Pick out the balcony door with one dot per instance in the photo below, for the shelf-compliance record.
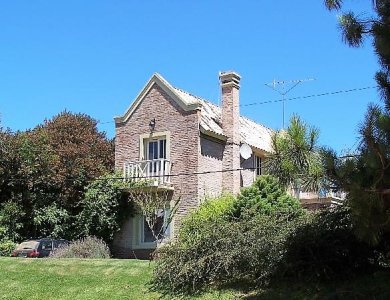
(156, 149)
(156, 152)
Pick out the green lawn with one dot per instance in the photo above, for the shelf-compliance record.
(80, 279)
(128, 279)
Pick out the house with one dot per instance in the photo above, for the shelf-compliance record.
(186, 145)
(190, 148)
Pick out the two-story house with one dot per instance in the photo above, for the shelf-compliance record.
(188, 145)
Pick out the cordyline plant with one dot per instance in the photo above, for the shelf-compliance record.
(295, 158)
(154, 204)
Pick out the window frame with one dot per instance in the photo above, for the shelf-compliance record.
(144, 138)
(257, 165)
(143, 224)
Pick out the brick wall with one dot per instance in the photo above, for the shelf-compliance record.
(210, 159)
(184, 142)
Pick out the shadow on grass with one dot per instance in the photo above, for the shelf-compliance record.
(372, 286)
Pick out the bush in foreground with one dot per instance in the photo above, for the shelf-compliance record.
(6, 247)
(326, 248)
(229, 252)
(88, 247)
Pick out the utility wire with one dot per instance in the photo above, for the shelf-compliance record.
(156, 176)
(291, 99)
(312, 96)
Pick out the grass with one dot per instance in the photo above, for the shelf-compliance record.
(364, 287)
(81, 279)
(128, 279)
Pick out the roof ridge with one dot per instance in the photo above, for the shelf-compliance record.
(219, 107)
(192, 95)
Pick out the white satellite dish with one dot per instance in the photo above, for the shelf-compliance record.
(245, 151)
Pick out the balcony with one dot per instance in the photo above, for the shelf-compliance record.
(155, 173)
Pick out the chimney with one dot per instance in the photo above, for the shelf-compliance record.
(230, 86)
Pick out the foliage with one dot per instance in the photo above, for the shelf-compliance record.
(105, 207)
(88, 247)
(206, 215)
(366, 176)
(327, 249)
(11, 221)
(52, 221)
(296, 159)
(230, 252)
(265, 196)
(45, 171)
(154, 204)
(6, 247)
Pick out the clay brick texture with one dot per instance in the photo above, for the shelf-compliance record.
(184, 142)
(190, 153)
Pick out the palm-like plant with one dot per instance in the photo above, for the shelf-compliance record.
(296, 158)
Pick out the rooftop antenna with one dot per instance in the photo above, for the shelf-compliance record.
(284, 85)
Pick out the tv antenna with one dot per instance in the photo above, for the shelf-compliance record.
(286, 87)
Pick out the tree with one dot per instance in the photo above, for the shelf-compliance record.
(265, 197)
(158, 208)
(366, 176)
(296, 160)
(45, 170)
(104, 208)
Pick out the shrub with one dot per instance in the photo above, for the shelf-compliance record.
(105, 207)
(211, 211)
(246, 251)
(6, 247)
(327, 248)
(88, 247)
(265, 196)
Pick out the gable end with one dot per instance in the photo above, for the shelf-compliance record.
(167, 88)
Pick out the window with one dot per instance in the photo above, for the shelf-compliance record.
(160, 228)
(154, 145)
(156, 149)
(46, 245)
(257, 165)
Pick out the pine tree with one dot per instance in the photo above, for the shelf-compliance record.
(366, 176)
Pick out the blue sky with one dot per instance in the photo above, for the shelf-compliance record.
(95, 56)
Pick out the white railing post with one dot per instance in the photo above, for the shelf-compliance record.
(157, 169)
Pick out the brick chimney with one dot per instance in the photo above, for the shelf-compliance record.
(230, 86)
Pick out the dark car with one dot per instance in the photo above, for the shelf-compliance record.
(38, 247)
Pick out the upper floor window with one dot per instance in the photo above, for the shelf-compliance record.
(257, 165)
(156, 148)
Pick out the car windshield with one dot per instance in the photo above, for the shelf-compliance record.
(27, 245)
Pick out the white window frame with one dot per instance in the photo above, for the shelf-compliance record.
(143, 143)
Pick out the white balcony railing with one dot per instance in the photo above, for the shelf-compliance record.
(156, 172)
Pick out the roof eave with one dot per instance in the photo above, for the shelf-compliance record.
(212, 133)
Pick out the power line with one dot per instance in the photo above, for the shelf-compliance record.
(290, 99)
(311, 96)
(153, 176)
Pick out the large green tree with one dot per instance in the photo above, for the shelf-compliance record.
(46, 170)
(366, 176)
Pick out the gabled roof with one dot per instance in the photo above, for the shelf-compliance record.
(252, 133)
(186, 104)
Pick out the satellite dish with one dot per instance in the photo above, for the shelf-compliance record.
(245, 151)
